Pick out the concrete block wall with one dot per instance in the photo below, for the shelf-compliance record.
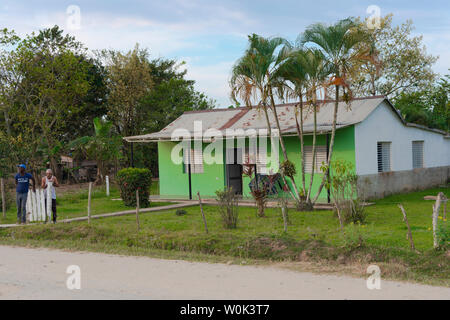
(379, 185)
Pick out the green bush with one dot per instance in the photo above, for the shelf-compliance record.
(228, 207)
(443, 233)
(132, 179)
(353, 236)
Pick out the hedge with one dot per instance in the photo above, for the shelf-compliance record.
(132, 179)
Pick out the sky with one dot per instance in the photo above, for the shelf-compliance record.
(211, 35)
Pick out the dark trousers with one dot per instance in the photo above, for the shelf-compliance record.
(53, 208)
(21, 200)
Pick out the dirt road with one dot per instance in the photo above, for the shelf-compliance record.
(41, 273)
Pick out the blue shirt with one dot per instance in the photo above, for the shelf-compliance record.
(23, 182)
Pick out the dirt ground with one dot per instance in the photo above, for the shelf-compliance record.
(41, 274)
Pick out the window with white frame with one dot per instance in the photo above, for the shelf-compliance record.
(417, 154)
(321, 157)
(195, 157)
(384, 156)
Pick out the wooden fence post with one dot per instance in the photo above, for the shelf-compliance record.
(89, 202)
(436, 208)
(283, 212)
(137, 210)
(409, 234)
(203, 214)
(2, 183)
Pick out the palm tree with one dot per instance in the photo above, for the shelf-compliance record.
(256, 76)
(340, 45)
(307, 70)
(102, 147)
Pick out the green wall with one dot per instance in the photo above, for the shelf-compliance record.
(175, 183)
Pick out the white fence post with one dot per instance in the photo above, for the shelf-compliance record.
(33, 206)
(42, 203)
(36, 210)
(49, 200)
(107, 186)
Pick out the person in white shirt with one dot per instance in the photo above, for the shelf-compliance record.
(49, 177)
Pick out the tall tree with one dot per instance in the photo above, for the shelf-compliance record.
(171, 95)
(9, 75)
(256, 78)
(341, 46)
(307, 71)
(129, 81)
(406, 66)
(53, 80)
(430, 107)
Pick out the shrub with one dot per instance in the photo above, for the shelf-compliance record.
(443, 233)
(132, 179)
(343, 185)
(180, 212)
(352, 211)
(353, 237)
(228, 207)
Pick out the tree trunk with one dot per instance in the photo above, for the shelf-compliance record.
(7, 122)
(333, 134)
(302, 143)
(269, 129)
(55, 168)
(283, 148)
(308, 197)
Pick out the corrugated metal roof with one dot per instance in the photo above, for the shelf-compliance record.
(254, 118)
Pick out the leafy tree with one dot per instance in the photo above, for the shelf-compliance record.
(171, 95)
(129, 81)
(406, 67)
(9, 75)
(430, 108)
(103, 147)
(53, 80)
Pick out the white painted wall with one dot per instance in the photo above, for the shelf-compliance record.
(384, 125)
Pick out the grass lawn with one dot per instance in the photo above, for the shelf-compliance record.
(313, 239)
(72, 202)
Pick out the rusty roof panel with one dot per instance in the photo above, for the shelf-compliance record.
(254, 118)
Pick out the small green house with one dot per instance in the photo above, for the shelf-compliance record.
(203, 151)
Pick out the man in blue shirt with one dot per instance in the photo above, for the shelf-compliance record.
(22, 186)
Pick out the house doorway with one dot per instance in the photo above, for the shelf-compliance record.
(234, 169)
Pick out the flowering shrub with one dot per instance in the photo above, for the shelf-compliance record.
(132, 179)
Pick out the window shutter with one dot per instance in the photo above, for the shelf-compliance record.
(384, 156)
(196, 159)
(261, 162)
(321, 157)
(417, 154)
(197, 156)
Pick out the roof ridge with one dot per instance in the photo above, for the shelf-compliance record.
(234, 119)
(283, 104)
